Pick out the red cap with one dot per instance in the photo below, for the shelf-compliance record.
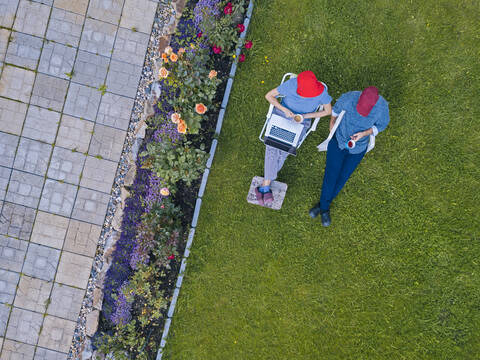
(308, 85)
(368, 99)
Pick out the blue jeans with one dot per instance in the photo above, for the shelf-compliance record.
(340, 165)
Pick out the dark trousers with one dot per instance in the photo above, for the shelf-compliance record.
(340, 165)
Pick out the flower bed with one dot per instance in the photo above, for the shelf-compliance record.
(192, 74)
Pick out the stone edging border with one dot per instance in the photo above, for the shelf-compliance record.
(203, 184)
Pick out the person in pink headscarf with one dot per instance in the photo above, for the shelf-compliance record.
(366, 113)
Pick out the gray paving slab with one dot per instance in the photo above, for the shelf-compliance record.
(106, 10)
(98, 174)
(4, 179)
(32, 18)
(4, 314)
(16, 83)
(24, 50)
(8, 286)
(13, 252)
(123, 78)
(41, 124)
(66, 165)
(77, 6)
(57, 60)
(65, 301)
(33, 294)
(49, 230)
(24, 188)
(65, 27)
(98, 37)
(138, 14)
(56, 334)
(107, 142)
(90, 206)
(82, 101)
(130, 46)
(12, 116)
(8, 147)
(58, 197)
(115, 111)
(74, 270)
(90, 69)
(13, 350)
(49, 92)
(8, 8)
(4, 38)
(45, 354)
(75, 133)
(32, 156)
(24, 326)
(17, 221)
(82, 238)
(41, 262)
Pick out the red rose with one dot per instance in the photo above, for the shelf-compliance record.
(241, 58)
(171, 257)
(216, 50)
(248, 44)
(241, 27)
(228, 9)
(199, 35)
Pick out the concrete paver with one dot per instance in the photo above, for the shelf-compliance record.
(49, 92)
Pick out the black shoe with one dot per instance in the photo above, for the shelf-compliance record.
(326, 218)
(315, 211)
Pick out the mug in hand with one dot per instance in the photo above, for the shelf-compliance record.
(298, 118)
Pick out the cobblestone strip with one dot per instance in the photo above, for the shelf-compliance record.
(198, 204)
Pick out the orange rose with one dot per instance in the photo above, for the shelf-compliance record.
(175, 118)
(181, 51)
(163, 73)
(200, 109)
(165, 58)
(173, 57)
(181, 127)
(212, 74)
(168, 50)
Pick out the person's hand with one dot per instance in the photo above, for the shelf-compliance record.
(357, 136)
(288, 113)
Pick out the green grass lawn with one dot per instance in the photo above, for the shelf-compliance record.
(397, 274)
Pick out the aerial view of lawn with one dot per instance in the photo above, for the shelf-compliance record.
(397, 274)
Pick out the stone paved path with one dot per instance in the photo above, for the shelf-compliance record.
(60, 141)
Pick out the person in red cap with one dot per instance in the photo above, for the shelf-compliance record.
(366, 113)
(300, 95)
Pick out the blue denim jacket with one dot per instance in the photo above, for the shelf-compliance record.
(353, 122)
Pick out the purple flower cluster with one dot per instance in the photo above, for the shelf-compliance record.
(120, 269)
(186, 34)
(203, 9)
(123, 308)
(155, 184)
(167, 131)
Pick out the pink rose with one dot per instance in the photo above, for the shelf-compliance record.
(171, 257)
(228, 9)
(241, 58)
(241, 27)
(249, 44)
(216, 50)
